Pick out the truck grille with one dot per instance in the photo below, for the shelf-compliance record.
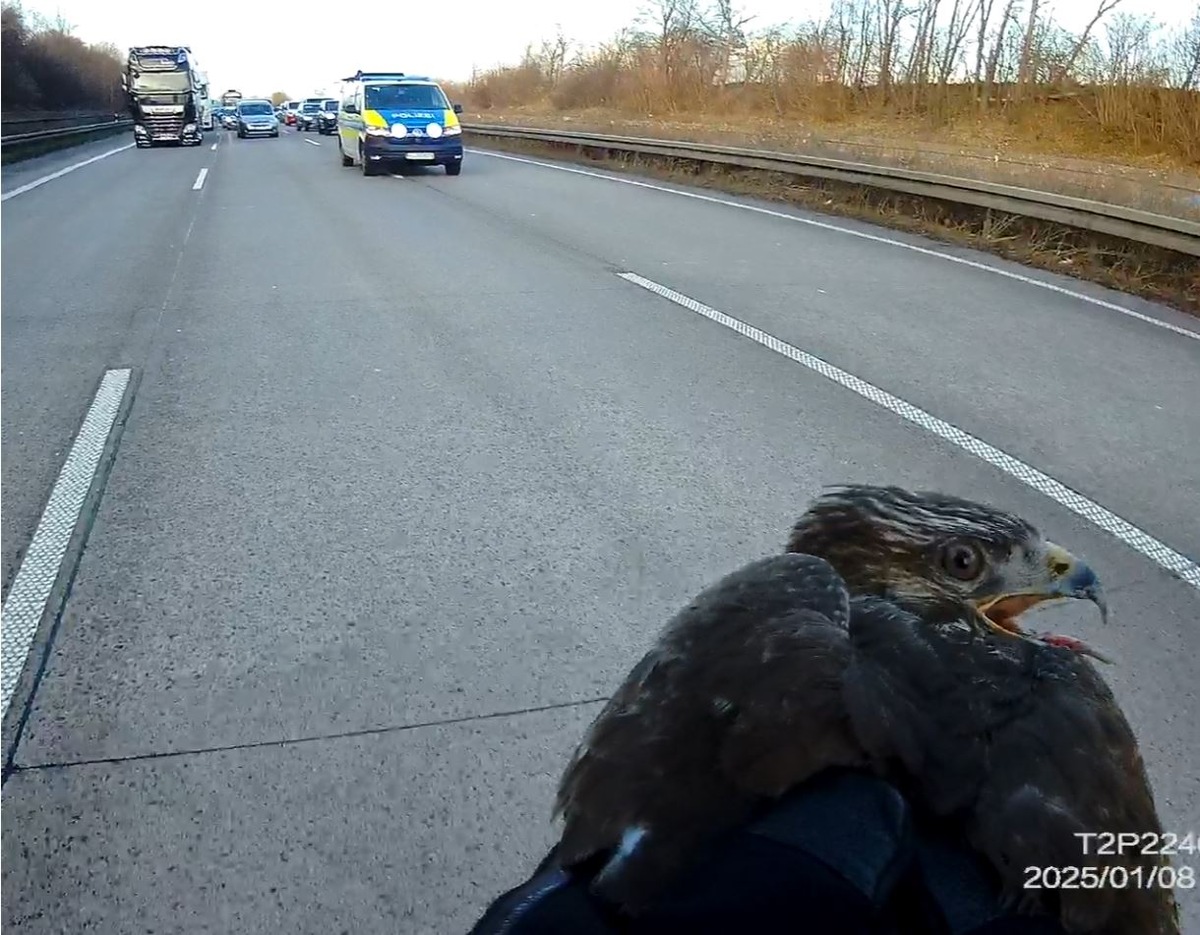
(165, 126)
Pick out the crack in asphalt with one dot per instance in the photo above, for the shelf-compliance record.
(313, 738)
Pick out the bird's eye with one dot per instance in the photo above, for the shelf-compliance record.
(963, 560)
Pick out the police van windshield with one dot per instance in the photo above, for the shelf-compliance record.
(404, 97)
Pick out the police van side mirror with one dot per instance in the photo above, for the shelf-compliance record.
(457, 108)
(350, 109)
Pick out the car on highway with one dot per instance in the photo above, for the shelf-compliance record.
(291, 107)
(306, 115)
(390, 118)
(256, 118)
(229, 118)
(326, 121)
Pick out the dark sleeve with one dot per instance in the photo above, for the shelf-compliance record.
(839, 856)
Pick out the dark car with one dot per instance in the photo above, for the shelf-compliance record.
(256, 118)
(327, 117)
(306, 116)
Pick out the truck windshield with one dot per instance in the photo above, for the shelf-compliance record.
(256, 110)
(162, 81)
(404, 97)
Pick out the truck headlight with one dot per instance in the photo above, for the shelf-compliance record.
(190, 128)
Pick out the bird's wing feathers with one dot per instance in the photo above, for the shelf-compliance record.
(910, 710)
(1069, 765)
(739, 698)
(789, 721)
(1026, 742)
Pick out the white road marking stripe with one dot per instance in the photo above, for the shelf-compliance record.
(1158, 552)
(29, 186)
(26, 603)
(213, 147)
(199, 183)
(962, 261)
(313, 142)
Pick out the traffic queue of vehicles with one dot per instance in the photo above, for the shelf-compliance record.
(382, 120)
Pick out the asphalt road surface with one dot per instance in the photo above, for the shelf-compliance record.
(407, 475)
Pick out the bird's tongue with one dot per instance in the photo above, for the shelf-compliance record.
(1072, 643)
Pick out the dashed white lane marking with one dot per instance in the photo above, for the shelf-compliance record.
(30, 186)
(213, 147)
(313, 142)
(962, 261)
(22, 611)
(1158, 552)
(199, 183)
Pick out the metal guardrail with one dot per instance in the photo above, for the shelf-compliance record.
(38, 136)
(49, 120)
(1146, 227)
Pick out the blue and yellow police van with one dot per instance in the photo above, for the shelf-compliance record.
(387, 119)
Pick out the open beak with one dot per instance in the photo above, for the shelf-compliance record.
(1062, 576)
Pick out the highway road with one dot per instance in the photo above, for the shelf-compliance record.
(409, 470)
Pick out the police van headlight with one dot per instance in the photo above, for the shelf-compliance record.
(451, 131)
(378, 131)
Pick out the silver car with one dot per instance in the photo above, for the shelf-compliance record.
(256, 118)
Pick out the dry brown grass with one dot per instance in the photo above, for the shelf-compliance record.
(1149, 272)
(1153, 128)
(990, 156)
(1112, 113)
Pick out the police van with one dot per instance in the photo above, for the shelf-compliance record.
(386, 119)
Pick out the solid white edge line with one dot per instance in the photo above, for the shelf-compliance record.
(758, 209)
(199, 183)
(22, 611)
(30, 186)
(1158, 552)
(312, 142)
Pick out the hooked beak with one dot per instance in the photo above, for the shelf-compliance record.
(1061, 576)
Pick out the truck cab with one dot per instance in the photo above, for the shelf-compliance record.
(163, 97)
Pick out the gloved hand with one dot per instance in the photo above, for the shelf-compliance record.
(844, 854)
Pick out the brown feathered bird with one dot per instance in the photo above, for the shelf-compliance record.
(887, 639)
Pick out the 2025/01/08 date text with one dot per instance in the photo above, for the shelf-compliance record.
(1113, 844)
(1109, 877)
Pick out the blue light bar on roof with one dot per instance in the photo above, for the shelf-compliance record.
(376, 76)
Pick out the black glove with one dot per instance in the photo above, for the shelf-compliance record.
(844, 854)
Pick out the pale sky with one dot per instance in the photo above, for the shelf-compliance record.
(244, 46)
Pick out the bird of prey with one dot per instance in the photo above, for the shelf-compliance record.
(885, 638)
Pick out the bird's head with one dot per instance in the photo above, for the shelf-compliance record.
(931, 550)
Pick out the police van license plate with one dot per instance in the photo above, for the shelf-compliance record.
(419, 156)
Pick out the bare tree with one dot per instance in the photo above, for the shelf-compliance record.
(1023, 72)
(1102, 10)
(891, 15)
(1185, 55)
(726, 26)
(1128, 56)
